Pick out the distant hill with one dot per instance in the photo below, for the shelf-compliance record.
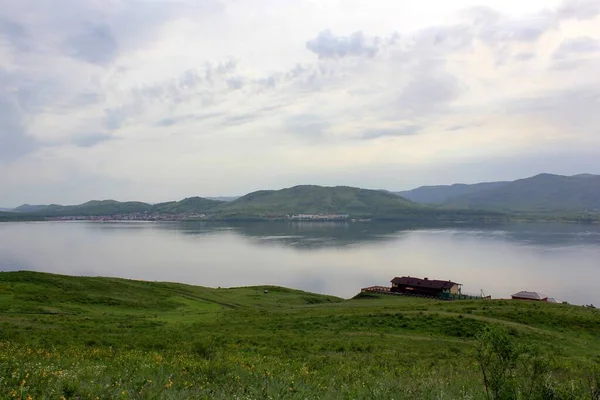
(444, 193)
(274, 204)
(318, 200)
(28, 208)
(6, 209)
(540, 193)
(224, 198)
(189, 205)
(112, 207)
(544, 192)
(94, 207)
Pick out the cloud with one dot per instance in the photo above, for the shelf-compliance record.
(95, 44)
(115, 118)
(327, 45)
(524, 56)
(494, 28)
(14, 142)
(579, 9)
(427, 92)
(240, 86)
(573, 110)
(15, 34)
(578, 45)
(240, 119)
(307, 126)
(92, 139)
(391, 132)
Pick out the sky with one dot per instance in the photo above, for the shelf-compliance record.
(157, 100)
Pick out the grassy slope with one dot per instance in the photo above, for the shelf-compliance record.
(318, 199)
(114, 338)
(189, 205)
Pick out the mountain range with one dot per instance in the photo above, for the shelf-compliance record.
(544, 193)
(540, 193)
(298, 199)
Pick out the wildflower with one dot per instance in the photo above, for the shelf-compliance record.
(169, 384)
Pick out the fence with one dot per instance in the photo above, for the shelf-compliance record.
(442, 296)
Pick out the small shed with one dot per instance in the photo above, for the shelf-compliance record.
(533, 296)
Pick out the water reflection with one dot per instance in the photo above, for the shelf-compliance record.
(336, 258)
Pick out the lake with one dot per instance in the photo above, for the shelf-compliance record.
(560, 260)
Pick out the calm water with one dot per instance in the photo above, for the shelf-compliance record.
(562, 261)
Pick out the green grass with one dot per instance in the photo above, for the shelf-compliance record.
(76, 337)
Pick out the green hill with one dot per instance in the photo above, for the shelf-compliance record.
(77, 337)
(310, 199)
(189, 205)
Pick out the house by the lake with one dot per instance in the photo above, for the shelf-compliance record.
(425, 287)
(533, 296)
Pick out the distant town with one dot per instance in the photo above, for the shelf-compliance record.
(153, 216)
(143, 216)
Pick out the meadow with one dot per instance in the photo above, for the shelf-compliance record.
(64, 337)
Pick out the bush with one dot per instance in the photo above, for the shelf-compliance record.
(511, 371)
(203, 350)
(207, 348)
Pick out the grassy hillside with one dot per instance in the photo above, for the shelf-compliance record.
(189, 205)
(543, 192)
(318, 199)
(444, 193)
(113, 338)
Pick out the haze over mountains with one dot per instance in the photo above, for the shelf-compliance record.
(543, 192)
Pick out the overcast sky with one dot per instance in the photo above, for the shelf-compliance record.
(157, 100)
